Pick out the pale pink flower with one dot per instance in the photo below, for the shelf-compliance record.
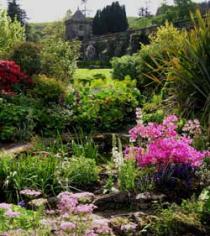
(30, 193)
(12, 214)
(67, 226)
(85, 209)
(5, 206)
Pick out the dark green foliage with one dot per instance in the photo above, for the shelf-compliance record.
(17, 121)
(53, 120)
(111, 19)
(184, 7)
(124, 66)
(15, 12)
(27, 56)
(48, 90)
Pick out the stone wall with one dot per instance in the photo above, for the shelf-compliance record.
(115, 45)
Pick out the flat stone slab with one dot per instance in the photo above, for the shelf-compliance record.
(16, 149)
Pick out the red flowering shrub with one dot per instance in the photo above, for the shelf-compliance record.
(12, 78)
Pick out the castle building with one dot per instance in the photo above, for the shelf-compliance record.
(78, 27)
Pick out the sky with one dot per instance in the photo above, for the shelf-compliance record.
(51, 10)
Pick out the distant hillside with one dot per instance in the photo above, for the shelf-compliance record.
(138, 23)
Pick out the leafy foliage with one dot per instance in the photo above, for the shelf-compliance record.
(11, 34)
(149, 59)
(105, 104)
(27, 56)
(79, 172)
(124, 66)
(48, 90)
(188, 80)
(59, 58)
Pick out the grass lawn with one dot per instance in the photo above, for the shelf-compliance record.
(88, 74)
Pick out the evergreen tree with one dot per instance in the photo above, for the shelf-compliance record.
(184, 7)
(110, 20)
(15, 12)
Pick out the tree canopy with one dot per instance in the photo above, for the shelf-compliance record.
(14, 11)
(111, 19)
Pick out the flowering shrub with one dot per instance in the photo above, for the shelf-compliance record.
(15, 217)
(76, 218)
(163, 145)
(11, 77)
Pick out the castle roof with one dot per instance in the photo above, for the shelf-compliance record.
(78, 16)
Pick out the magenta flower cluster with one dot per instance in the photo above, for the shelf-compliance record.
(163, 145)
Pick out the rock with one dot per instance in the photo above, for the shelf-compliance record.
(144, 200)
(150, 196)
(129, 228)
(37, 203)
(123, 226)
(84, 197)
(52, 202)
(113, 201)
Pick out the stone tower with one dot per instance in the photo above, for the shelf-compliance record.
(78, 27)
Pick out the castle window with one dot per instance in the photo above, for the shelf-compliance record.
(81, 27)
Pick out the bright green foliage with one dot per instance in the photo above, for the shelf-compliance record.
(79, 172)
(179, 220)
(49, 90)
(27, 220)
(106, 104)
(85, 75)
(27, 56)
(124, 66)
(149, 59)
(59, 58)
(85, 146)
(128, 175)
(11, 33)
(32, 172)
(189, 73)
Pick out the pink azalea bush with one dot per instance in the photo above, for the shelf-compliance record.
(162, 145)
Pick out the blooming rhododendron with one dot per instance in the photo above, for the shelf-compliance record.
(10, 76)
(162, 144)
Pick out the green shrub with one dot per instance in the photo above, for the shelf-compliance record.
(80, 172)
(17, 121)
(58, 58)
(53, 120)
(128, 176)
(124, 66)
(150, 58)
(179, 220)
(85, 146)
(188, 80)
(28, 172)
(106, 105)
(27, 56)
(11, 34)
(27, 220)
(48, 90)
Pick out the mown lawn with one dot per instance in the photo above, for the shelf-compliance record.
(88, 74)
